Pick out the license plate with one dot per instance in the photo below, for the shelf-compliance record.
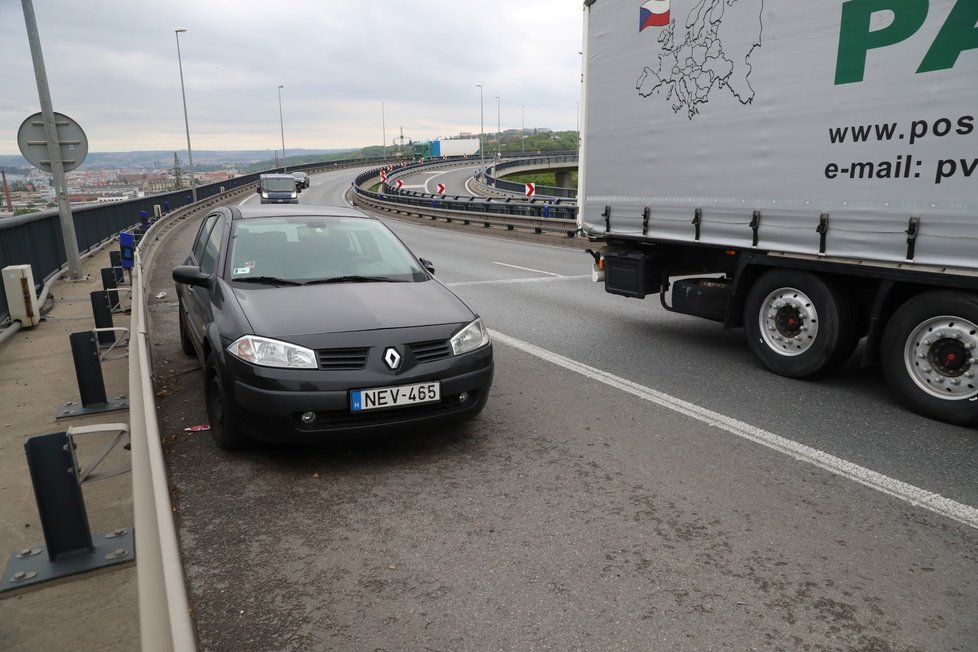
(386, 397)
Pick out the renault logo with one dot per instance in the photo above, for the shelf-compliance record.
(392, 358)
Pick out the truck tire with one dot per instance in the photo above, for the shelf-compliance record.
(799, 324)
(928, 355)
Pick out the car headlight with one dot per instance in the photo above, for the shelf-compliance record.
(272, 353)
(470, 338)
(264, 195)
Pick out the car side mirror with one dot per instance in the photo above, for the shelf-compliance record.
(258, 189)
(190, 275)
(428, 265)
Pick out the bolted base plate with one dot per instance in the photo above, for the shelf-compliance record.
(77, 409)
(31, 566)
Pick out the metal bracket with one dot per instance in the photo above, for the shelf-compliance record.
(697, 221)
(822, 229)
(88, 474)
(607, 219)
(124, 342)
(755, 225)
(912, 229)
(646, 214)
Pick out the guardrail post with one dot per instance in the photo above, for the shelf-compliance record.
(68, 540)
(110, 287)
(102, 312)
(115, 259)
(91, 384)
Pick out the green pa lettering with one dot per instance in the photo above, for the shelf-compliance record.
(958, 34)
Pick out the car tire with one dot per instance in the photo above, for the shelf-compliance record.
(185, 344)
(799, 324)
(224, 427)
(927, 354)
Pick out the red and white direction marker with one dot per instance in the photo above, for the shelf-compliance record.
(441, 189)
(383, 176)
(530, 189)
(399, 184)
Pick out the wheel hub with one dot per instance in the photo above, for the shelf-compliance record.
(789, 322)
(940, 356)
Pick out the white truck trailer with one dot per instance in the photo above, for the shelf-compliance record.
(805, 170)
(447, 147)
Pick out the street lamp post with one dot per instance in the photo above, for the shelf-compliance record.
(523, 128)
(383, 123)
(186, 120)
(281, 124)
(482, 146)
(499, 130)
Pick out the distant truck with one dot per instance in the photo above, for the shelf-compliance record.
(452, 147)
(806, 171)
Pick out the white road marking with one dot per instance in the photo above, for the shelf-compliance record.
(526, 269)
(908, 493)
(505, 281)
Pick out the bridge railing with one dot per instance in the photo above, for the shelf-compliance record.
(494, 174)
(36, 239)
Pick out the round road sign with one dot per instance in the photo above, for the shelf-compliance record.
(33, 142)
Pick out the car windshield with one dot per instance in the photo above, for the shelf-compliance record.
(311, 250)
(279, 185)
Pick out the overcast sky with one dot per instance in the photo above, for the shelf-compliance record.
(112, 66)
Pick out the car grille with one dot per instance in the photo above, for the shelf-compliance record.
(431, 351)
(342, 359)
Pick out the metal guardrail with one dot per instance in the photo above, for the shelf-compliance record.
(493, 181)
(537, 216)
(36, 239)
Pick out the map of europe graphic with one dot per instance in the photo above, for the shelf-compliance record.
(696, 63)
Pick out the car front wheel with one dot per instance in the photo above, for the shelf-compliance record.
(220, 410)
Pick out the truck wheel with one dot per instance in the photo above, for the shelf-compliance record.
(928, 355)
(798, 324)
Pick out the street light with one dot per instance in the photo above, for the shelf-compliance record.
(522, 128)
(499, 129)
(281, 124)
(186, 120)
(383, 122)
(482, 146)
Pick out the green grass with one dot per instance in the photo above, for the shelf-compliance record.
(539, 178)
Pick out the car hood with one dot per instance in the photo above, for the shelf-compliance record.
(343, 307)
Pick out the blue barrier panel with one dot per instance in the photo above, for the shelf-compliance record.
(127, 243)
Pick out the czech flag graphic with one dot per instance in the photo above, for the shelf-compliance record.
(654, 13)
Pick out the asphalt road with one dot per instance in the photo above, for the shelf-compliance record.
(573, 514)
(454, 179)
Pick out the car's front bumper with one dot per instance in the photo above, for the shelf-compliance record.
(271, 401)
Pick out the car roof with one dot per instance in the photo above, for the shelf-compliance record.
(276, 176)
(296, 210)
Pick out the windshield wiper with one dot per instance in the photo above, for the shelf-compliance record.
(353, 279)
(269, 280)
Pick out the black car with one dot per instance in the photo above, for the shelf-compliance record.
(314, 321)
(301, 179)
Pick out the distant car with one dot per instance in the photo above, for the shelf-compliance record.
(318, 321)
(278, 189)
(301, 179)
